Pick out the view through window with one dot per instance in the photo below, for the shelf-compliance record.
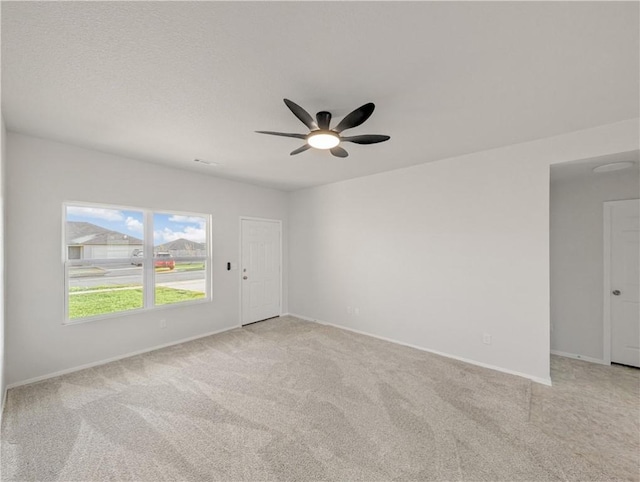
(122, 259)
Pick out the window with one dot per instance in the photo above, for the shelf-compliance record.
(183, 250)
(124, 259)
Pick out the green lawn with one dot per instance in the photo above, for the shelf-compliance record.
(189, 266)
(103, 301)
(166, 296)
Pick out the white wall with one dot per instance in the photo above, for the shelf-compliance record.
(437, 254)
(3, 378)
(41, 175)
(577, 257)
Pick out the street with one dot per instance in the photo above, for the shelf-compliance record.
(133, 275)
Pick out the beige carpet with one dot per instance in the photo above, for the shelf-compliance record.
(291, 400)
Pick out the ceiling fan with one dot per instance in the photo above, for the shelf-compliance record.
(321, 136)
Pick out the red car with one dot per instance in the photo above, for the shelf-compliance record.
(163, 259)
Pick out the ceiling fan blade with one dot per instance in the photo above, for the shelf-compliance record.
(366, 139)
(283, 134)
(300, 149)
(339, 152)
(301, 114)
(355, 118)
(324, 119)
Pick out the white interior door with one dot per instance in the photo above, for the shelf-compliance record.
(260, 269)
(625, 282)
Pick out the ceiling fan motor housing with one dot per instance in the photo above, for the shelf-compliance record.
(324, 119)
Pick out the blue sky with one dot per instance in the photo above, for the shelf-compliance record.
(166, 227)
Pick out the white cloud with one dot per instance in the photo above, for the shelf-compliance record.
(193, 229)
(166, 235)
(133, 225)
(97, 213)
(177, 218)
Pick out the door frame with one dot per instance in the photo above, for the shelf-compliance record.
(608, 207)
(251, 218)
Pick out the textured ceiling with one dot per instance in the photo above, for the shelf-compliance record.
(168, 82)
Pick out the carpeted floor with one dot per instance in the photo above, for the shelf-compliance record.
(292, 400)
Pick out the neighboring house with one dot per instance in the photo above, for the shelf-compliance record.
(89, 241)
(183, 248)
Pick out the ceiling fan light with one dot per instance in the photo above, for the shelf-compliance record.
(613, 166)
(323, 140)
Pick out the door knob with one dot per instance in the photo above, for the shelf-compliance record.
(616, 292)
(245, 277)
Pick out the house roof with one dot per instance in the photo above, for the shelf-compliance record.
(181, 244)
(80, 232)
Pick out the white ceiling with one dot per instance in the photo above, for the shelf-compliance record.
(168, 82)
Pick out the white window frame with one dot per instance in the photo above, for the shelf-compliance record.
(148, 261)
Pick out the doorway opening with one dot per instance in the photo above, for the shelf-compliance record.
(595, 272)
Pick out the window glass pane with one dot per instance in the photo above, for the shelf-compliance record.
(104, 287)
(104, 253)
(177, 238)
(100, 233)
(187, 282)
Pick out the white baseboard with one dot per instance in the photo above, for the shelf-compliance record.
(579, 357)
(3, 404)
(543, 381)
(306, 318)
(115, 358)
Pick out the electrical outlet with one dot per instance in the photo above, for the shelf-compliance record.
(163, 323)
(349, 310)
(486, 339)
(357, 311)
